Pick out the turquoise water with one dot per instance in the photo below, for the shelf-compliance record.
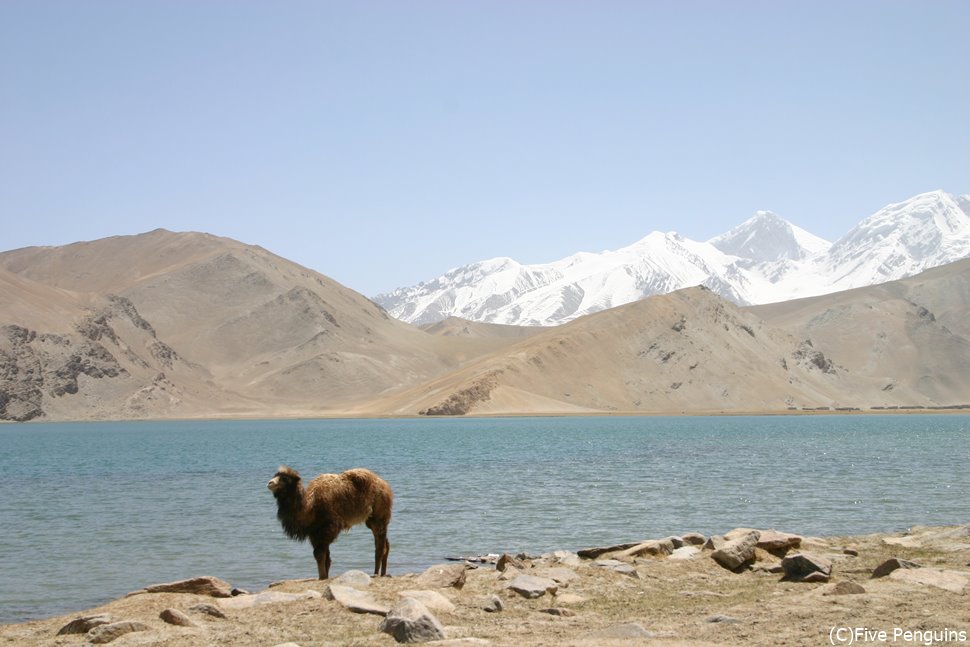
(89, 512)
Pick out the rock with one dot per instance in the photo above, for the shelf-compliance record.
(569, 599)
(722, 619)
(431, 599)
(851, 552)
(507, 560)
(176, 617)
(356, 579)
(493, 604)
(208, 610)
(509, 574)
(905, 542)
(773, 568)
(238, 591)
(953, 581)
(685, 552)
(661, 547)
(616, 565)
(206, 585)
(693, 539)
(531, 587)
(267, 597)
(778, 543)
(715, 542)
(593, 553)
(106, 633)
(443, 576)
(564, 557)
(561, 575)
(409, 621)
(802, 567)
(844, 588)
(85, 624)
(891, 565)
(355, 600)
(556, 611)
(737, 552)
(287, 645)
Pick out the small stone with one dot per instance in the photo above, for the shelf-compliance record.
(685, 552)
(722, 619)
(556, 611)
(355, 600)
(443, 576)
(851, 552)
(106, 633)
(778, 543)
(806, 567)
(356, 579)
(531, 587)
(237, 591)
(693, 539)
(208, 609)
(176, 617)
(562, 575)
(737, 552)
(206, 585)
(409, 621)
(493, 604)
(85, 624)
(891, 565)
(845, 588)
(431, 599)
(506, 561)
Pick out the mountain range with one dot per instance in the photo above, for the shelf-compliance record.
(188, 325)
(764, 260)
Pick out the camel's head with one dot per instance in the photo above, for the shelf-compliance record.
(286, 479)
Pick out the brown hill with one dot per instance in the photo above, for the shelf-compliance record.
(248, 332)
(191, 325)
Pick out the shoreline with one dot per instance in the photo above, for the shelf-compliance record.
(674, 589)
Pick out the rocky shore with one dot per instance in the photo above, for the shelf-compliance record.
(748, 586)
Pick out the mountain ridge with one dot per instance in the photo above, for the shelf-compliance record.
(765, 259)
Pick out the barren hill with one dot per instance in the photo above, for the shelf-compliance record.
(248, 332)
(167, 325)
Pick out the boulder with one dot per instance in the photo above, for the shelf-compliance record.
(506, 561)
(778, 543)
(267, 597)
(531, 587)
(176, 617)
(431, 599)
(85, 624)
(493, 604)
(443, 576)
(953, 581)
(737, 552)
(103, 634)
(206, 585)
(593, 553)
(409, 621)
(356, 579)
(355, 600)
(892, 564)
(655, 547)
(806, 567)
(715, 542)
(208, 610)
(693, 539)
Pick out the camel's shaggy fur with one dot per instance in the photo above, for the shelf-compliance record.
(332, 503)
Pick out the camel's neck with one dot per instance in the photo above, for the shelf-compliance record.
(289, 511)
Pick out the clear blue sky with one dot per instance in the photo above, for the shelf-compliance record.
(382, 143)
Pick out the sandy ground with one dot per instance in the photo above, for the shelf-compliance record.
(666, 602)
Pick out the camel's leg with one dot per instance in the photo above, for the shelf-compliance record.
(321, 553)
(382, 547)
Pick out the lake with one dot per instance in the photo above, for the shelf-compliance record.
(91, 511)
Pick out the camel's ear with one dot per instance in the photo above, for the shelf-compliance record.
(288, 472)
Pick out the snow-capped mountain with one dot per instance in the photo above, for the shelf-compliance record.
(763, 260)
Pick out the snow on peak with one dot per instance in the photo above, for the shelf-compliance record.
(768, 237)
(762, 260)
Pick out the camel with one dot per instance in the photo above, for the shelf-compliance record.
(330, 504)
